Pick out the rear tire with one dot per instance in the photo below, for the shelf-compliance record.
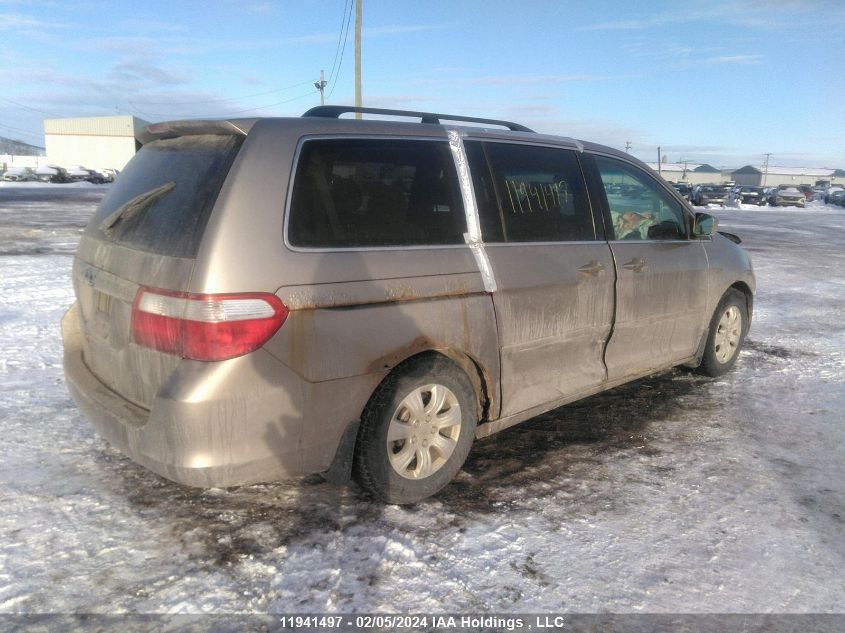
(728, 328)
(416, 431)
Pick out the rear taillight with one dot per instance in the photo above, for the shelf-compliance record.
(205, 326)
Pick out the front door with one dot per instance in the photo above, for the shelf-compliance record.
(661, 280)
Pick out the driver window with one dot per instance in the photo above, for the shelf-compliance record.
(639, 208)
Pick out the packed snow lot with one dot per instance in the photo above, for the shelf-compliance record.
(674, 493)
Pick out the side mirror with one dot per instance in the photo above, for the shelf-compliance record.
(705, 225)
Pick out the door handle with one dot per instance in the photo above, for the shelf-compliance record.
(637, 264)
(593, 268)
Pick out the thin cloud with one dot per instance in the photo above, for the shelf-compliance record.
(378, 31)
(620, 25)
(136, 45)
(735, 59)
(130, 72)
(261, 8)
(507, 80)
(763, 15)
(520, 80)
(16, 21)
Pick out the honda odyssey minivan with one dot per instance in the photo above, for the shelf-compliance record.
(268, 298)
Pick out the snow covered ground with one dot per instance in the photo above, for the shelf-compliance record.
(675, 493)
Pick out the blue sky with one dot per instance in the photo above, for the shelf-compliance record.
(717, 81)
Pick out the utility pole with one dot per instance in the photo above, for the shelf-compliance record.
(627, 145)
(321, 86)
(766, 168)
(659, 162)
(358, 13)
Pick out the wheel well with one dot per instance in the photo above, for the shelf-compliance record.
(466, 363)
(749, 296)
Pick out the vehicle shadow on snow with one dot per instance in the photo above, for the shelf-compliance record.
(543, 453)
(219, 528)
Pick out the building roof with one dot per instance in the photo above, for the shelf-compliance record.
(674, 166)
(791, 171)
(689, 167)
(707, 168)
(748, 169)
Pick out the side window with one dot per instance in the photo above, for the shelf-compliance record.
(639, 208)
(528, 193)
(372, 192)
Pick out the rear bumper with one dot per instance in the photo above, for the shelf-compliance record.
(222, 424)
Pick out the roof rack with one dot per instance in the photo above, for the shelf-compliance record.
(334, 112)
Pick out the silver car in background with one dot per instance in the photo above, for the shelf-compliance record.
(268, 298)
(786, 196)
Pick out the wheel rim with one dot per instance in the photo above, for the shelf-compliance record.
(424, 431)
(728, 334)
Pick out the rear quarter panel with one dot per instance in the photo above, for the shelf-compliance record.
(355, 314)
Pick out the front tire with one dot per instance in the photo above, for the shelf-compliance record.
(416, 431)
(728, 328)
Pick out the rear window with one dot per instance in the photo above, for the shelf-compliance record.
(162, 201)
(375, 193)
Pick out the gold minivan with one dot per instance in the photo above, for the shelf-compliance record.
(268, 298)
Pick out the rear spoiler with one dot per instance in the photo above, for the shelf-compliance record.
(172, 129)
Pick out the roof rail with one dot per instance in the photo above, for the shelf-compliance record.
(334, 112)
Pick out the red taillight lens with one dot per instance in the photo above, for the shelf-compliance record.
(205, 327)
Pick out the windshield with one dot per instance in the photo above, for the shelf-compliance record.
(161, 202)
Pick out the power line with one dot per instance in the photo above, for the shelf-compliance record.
(347, 14)
(26, 107)
(226, 114)
(21, 131)
(257, 94)
(342, 50)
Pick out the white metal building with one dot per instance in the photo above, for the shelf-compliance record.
(775, 175)
(106, 142)
(693, 173)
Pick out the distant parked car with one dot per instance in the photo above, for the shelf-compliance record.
(683, 188)
(742, 194)
(830, 192)
(837, 197)
(96, 177)
(19, 174)
(77, 173)
(807, 190)
(786, 196)
(703, 195)
(52, 173)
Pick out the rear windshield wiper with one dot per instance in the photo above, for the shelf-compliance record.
(136, 205)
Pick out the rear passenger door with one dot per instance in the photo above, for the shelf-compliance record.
(661, 283)
(553, 270)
